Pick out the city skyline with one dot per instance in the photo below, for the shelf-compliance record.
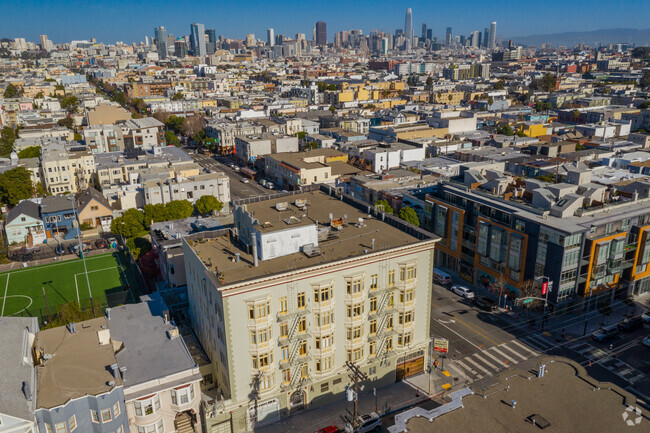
(71, 25)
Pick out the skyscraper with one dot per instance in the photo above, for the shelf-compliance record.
(486, 32)
(424, 31)
(476, 38)
(180, 48)
(448, 36)
(44, 43)
(161, 42)
(211, 45)
(197, 39)
(321, 33)
(492, 37)
(270, 37)
(408, 26)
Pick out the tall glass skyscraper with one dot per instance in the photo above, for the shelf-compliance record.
(408, 26)
(161, 42)
(492, 37)
(197, 39)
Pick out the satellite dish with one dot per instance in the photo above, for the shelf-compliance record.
(360, 220)
(331, 216)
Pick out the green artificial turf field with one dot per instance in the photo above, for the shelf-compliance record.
(111, 282)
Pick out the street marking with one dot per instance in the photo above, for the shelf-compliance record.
(447, 322)
(469, 369)
(460, 335)
(503, 354)
(478, 332)
(542, 340)
(4, 300)
(525, 348)
(485, 361)
(480, 367)
(535, 344)
(76, 286)
(523, 358)
(446, 386)
(446, 373)
(488, 354)
(461, 373)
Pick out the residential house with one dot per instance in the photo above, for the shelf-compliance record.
(94, 210)
(24, 224)
(58, 216)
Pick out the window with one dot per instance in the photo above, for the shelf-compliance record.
(158, 427)
(372, 348)
(324, 387)
(353, 333)
(144, 406)
(304, 371)
(373, 282)
(284, 330)
(404, 339)
(389, 322)
(373, 305)
(391, 277)
(283, 305)
(60, 427)
(106, 415)
(391, 300)
(302, 325)
(286, 376)
(354, 310)
(322, 294)
(406, 295)
(389, 344)
(284, 353)
(355, 355)
(324, 364)
(302, 350)
(94, 416)
(301, 300)
(373, 327)
(354, 286)
(404, 318)
(72, 421)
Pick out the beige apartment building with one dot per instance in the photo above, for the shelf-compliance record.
(67, 168)
(302, 284)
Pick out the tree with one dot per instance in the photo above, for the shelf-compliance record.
(576, 114)
(77, 137)
(39, 95)
(161, 116)
(179, 209)
(499, 287)
(499, 85)
(70, 103)
(641, 52)
(11, 91)
(178, 96)
(547, 82)
(30, 152)
(174, 123)
(15, 185)
(192, 125)
(39, 191)
(332, 109)
(644, 105)
(301, 135)
(155, 213)
(385, 206)
(409, 215)
(529, 289)
(208, 204)
(139, 104)
(130, 224)
(7, 139)
(542, 106)
(68, 122)
(505, 130)
(171, 138)
(430, 81)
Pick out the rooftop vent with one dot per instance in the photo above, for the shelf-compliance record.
(301, 203)
(282, 206)
(291, 220)
(311, 250)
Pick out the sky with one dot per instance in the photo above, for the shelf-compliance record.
(129, 21)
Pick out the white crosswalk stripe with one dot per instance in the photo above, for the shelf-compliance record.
(459, 371)
(485, 361)
(468, 369)
(489, 355)
(506, 356)
(505, 346)
(532, 352)
(477, 365)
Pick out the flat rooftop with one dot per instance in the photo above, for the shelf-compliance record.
(79, 365)
(566, 397)
(354, 239)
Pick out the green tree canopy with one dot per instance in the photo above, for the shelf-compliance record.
(409, 215)
(68, 122)
(155, 213)
(644, 105)
(171, 138)
(386, 207)
(178, 96)
(174, 123)
(130, 224)
(30, 152)
(542, 106)
(430, 81)
(645, 80)
(15, 185)
(7, 139)
(179, 209)
(208, 204)
(70, 103)
(505, 130)
(11, 91)
(499, 85)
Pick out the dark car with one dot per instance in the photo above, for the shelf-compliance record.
(59, 249)
(628, 325)
(101, 243)
(485, 304)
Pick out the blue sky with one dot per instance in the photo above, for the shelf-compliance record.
(128, 21)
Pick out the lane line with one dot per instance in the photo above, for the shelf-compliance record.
(31, 268)
(534, 344)
(458, 334)
(532, 352)
(478, 332)
(76, 286)
(503, 354)
(543, 340)
(480, 367)
(485, 361)
(4, 300)
(523, 358)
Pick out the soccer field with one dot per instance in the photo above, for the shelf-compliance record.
(24, 291)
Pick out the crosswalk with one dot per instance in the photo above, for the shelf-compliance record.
(491, 361)
(602, 358)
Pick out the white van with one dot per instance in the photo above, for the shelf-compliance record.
(441, 277)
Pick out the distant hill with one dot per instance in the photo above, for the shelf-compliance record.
(592, 38)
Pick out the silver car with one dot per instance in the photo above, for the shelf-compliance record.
(463, 291)
(368, 422)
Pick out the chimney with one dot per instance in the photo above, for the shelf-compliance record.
(255, 253)
(123, 372)
(115, 371)
(237, 257)
(108, 314)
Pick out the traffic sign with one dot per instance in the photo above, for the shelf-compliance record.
(525, 301)
(544, 287)
(441, 345)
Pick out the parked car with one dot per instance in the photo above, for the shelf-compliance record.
(111, 242)
(631, 324)
(368, 422)
(646, 317)
(245, 180)
(74, 248)
(463, 291)
(269, 185)
(86, 247)
(605, 333)
(101, 243)
(486, 304)
(329, 429)
(59, 249)
(646, 341)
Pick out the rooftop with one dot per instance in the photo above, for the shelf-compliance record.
(79, 364)
(353, 239)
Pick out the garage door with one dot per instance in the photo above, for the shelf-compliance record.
(410, 368)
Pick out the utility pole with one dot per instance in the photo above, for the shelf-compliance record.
(47, 309)
(356, 376)
(81, 252)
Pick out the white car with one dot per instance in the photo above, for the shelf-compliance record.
(369, 422)
(244, 180)
(646, 341)
(463, 291)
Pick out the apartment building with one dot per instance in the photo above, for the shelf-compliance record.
(250, 147)
(302, 284)
(225, 134)
(104, 138)
(79, 384)
(67, 168)
(189, 188)
(145, 133)
(295, 169)
(161, 380)
(494, 227)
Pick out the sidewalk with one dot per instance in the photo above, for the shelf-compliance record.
(388, 400)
